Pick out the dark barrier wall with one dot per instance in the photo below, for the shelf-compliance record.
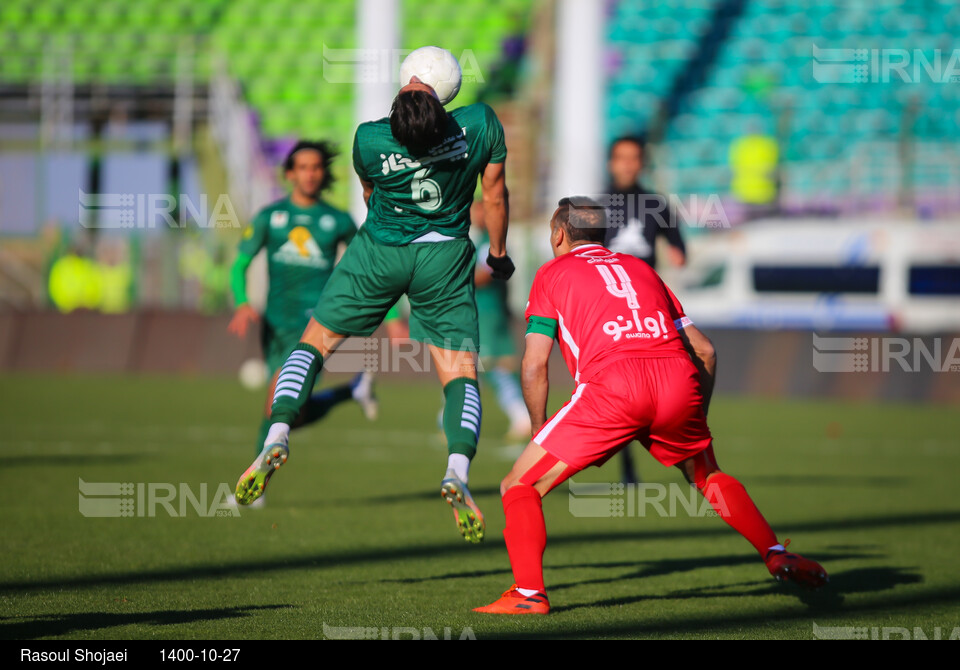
(154, 342)
(895, 366)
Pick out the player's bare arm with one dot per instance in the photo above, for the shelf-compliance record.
(534, 378)
(496, 206)
(244, 317)
(496, 211)
(704, 357)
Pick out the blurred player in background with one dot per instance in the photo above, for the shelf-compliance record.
(498, 351)
(419, 169)
(644, 215)
(302, 235)
(643, 371)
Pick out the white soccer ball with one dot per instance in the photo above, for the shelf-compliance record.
(435, 67)
(253, 374)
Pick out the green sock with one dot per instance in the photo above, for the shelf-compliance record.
(461, 416)
(295, 383)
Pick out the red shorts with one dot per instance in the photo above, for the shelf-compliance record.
(654, 400)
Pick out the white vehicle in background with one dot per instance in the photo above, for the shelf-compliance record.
(821, 275)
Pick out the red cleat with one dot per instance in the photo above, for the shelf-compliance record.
(514, 602)
(787, 567)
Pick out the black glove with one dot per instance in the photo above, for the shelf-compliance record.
(502, 266)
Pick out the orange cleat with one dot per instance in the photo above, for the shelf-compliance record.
(514, 602)
(788, 567)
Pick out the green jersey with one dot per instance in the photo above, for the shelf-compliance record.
(301, 246)
(491, 298)
(416, 195)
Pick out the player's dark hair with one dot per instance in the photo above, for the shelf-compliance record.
(418, 121)
(582, 219)
(640, 141)
(327, 153)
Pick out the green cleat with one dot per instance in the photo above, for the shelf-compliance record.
(253, 482)
(466, 513)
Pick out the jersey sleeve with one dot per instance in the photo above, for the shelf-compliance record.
(255, 235)
(495, 141)
(540, 314)
(358, 158)
(253, 239)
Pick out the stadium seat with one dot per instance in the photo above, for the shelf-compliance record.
(764, 77)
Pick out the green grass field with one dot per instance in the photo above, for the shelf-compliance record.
(355, 534)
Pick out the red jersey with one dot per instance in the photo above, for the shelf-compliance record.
(607, 307)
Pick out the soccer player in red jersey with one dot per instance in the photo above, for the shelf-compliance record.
(643, 371)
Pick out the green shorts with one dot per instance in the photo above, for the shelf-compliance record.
(437, 278)
(496, 335)
(278, 343)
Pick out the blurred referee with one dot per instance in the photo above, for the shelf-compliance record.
(635, 221)
(641, 214)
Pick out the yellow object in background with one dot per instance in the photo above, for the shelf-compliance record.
(79, 283)
(75, 283)
(115, 288)
(753, 161)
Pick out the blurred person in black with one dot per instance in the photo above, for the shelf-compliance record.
(637, 216)
(641, 215)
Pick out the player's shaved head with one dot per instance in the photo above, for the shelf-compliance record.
(582, 219)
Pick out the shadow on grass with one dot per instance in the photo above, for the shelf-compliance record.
(670, 566)
(830, 480)
(63, 460)
(394, 498)
(453, 550)
(49, 625)
(864, 614)
(828, 599)
(857, 581)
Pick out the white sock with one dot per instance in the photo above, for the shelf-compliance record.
(527, 592)
(460, 465)
(776, 547)
(279, 432)
(518, 414)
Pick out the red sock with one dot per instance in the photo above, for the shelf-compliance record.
(525, 534)
(731, 501)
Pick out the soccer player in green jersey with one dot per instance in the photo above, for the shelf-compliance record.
(419, 168)
(498, 350)
(302, 235)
